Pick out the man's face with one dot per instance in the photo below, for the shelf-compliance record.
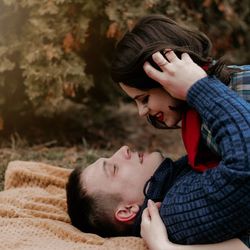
(124, 173)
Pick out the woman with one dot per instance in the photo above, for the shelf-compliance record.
(152, 228)
(147, 76)
(158, 33)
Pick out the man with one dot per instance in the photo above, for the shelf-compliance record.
(108, 197)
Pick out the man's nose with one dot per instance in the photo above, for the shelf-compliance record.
(143, 110)
(124, 152)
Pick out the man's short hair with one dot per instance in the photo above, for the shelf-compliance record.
(93, 213)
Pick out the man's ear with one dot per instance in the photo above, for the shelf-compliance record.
(126, 213)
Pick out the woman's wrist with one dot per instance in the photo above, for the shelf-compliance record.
(167, 245)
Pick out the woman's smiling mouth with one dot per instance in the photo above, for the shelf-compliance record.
(159, 116)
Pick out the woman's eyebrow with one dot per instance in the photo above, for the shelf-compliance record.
(138, 96)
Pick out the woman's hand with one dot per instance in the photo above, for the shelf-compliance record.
(177, 75)
(153, 230)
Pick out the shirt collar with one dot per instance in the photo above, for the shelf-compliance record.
(158, 185)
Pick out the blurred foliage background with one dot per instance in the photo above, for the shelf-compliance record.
(56, 55)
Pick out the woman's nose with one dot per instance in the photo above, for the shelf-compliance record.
(143, 110)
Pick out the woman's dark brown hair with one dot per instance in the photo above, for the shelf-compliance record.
(156, 33)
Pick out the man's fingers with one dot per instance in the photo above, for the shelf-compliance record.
(153, 73)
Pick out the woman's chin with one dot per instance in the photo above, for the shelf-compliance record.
(173, 124)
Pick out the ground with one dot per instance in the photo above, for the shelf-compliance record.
(132, 131)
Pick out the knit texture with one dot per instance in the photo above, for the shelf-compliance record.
(214, 206)
(33, 213)
(239, 83)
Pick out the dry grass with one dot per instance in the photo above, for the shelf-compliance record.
(58, 156)
(135, 133)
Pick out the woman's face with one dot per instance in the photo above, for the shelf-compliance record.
(155, 102)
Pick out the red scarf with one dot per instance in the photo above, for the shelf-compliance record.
(200, 157)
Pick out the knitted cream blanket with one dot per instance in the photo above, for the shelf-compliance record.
(33, 212)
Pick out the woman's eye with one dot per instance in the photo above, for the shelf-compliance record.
(145, 99)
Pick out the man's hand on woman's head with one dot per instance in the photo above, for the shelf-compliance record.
(178, 74)
(153, 230)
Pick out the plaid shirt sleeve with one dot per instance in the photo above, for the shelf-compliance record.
(240, 83)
